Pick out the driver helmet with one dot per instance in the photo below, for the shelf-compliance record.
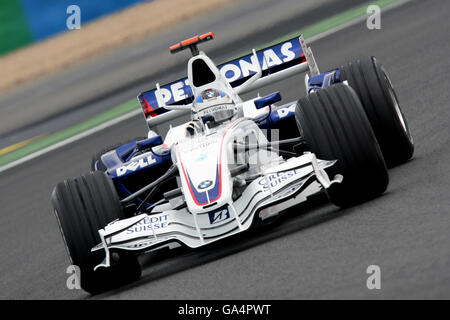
(213, 105)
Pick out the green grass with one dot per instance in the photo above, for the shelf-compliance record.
(69, 132)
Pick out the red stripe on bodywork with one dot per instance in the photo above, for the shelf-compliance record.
(220, 168)
(148, 110)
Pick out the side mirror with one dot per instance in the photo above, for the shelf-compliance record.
(267, 100)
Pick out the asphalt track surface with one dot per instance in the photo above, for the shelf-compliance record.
(317, 251)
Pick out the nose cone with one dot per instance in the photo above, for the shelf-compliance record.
(200, 166)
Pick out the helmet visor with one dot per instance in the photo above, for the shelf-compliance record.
(220, 113)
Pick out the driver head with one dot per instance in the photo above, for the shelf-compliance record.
(213, 105)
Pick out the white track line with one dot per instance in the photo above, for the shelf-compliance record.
(136, 112)
(70, 140)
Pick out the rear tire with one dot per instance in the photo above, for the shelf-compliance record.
(335, 126)
(83, 206)
(374, 88)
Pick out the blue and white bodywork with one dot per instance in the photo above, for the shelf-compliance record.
(228, 175)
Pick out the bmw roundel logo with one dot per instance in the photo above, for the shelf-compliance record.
(205, 184)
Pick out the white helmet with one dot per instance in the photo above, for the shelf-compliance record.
(213, 104)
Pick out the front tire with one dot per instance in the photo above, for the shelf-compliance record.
(370, 81)
(83, 206)
(335, 126)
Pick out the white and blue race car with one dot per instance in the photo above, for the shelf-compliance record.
(233, 164)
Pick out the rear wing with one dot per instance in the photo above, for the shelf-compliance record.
(277, 62)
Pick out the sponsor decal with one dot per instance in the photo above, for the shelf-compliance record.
(141, 244)
(190, 146)
(202, 157)
(219, 215)
(268, 58)
(284, 112)
(135, 165)
(149, 223)
(214, 109)
(275, 179)
(233, 71)
(210, 93)
(205, 184)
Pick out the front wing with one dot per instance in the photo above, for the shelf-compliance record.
(278, 188)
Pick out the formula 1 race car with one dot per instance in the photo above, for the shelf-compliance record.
(233, 164)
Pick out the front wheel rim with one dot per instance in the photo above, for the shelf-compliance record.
(397, 109)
